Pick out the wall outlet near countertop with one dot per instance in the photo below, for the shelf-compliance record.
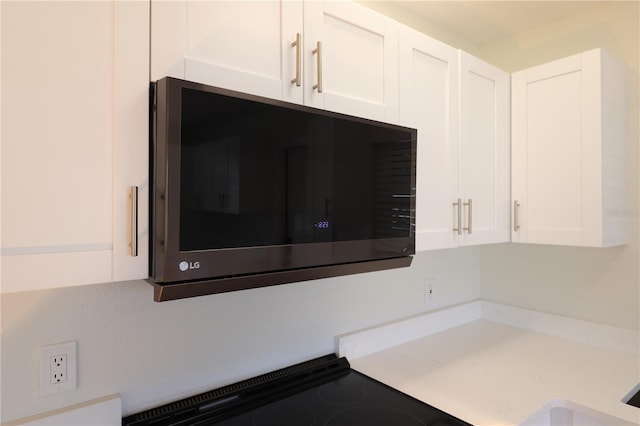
(58, 368)
(429, 289)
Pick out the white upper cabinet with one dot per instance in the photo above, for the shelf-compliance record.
(460, 106)
(351, 60)
(569, 152)
(345, 60)
(429, 103)
(484, 153)
(74, 140)
(238, 45)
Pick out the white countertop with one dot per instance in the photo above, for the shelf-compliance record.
(488, 373)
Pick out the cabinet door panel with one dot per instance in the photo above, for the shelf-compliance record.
(218, 49)
(214, 36)
(479, 155)
(56, 127)
(554, 161)
(131, 139)
(36, 271)
(558, 164)
(346, 76)
(239, 45)
(484, 151)
(72, 141)
(428, 102)
(359, 65)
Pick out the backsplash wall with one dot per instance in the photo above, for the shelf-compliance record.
(156, 352)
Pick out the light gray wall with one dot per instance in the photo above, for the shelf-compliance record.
(156, 352)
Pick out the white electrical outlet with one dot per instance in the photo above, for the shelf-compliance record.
(429, 285)
(58, 368)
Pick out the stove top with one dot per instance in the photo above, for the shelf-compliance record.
(321, 392)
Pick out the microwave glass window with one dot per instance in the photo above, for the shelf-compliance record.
(255, 174)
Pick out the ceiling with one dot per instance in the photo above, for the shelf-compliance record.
(486, 21)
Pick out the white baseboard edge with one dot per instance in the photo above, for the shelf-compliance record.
(364, 342)
(591, 333)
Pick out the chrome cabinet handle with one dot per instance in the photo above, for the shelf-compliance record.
(458, 207)
(134, 221)
(516, 225)
(469, 204)
(318, 51)
(296, 44)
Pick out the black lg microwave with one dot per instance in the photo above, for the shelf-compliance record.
(250, 192)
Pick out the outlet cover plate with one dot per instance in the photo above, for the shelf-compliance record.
(429, 284)
(50, 367)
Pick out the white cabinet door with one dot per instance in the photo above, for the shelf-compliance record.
(253, 47)
(130, 140)
(569, 165)
(355, 70)
(460, 106)
(238, 45)
(429, 103)
(484, 185)
(71, 111)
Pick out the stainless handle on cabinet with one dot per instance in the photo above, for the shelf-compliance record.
(318, 51)
(458, 206)
(134, 221)
(516, 225)
(469, 228)
(296, 44)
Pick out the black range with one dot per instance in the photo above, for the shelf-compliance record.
(324, 391)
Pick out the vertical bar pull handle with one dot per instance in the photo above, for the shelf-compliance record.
(516, 224)
(134, 221)
(318, 51)
(296, 44)
(469, 228)
(458, 209)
